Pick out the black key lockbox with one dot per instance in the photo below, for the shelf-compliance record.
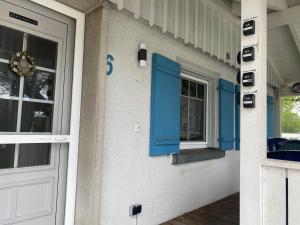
(248, 79)
(249, 101)
(249, 28)
(248, 54)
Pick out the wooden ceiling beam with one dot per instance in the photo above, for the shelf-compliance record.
(278, 5)
(286, 17)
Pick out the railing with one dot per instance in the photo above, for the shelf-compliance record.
(281, 192)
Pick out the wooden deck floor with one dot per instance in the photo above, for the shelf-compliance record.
(223, 212)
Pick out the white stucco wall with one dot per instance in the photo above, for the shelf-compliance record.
(130, 175)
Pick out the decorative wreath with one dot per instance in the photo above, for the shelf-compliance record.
(22, 64)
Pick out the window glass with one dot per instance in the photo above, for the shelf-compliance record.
(7, 155)
(9, 114)
(196, 120)
(184, 87)
(11, 42)
(39, 86)
(9, 82)
(34, 155)
(193, 111)
(184, 118)
(43, 51)
(193, 87)
(200, 91)
(36, 117)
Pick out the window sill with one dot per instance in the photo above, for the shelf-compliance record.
(197, 155)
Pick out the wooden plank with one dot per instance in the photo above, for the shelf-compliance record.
(294, 197)
(277, 5)
(225, 40)
(296, 35)
(223, 212)
(212, 34)
(288, 16)
(281, 164)
(137, 9)
(152, 13)
(204, 45)
(274, 196)
(187, 21)
(219, 37)
(201, 24)
(120, 4)
(176, 20)
(165, 16)
(196, 42)
(238, 44)
(231, 45)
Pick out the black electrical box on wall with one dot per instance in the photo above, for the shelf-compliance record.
(249, 101)
(248, 54)
(249, 28)
(248, 79)
(135, 209)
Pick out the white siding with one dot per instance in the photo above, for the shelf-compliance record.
(201, 23)
(196, 22)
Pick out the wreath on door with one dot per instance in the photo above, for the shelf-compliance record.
(22, 64)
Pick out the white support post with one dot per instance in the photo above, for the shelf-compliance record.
(253, 120)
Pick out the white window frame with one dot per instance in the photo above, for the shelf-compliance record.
(211, 78)
(73, 138)
(198, 144)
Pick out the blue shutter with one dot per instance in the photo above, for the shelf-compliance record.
(226, 102)
(165, 106)
(271, 117)
(237, 116)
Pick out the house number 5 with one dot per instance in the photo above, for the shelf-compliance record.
(110, 67)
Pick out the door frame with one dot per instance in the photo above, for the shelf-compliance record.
(73, 138)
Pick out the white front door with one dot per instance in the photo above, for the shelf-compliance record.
(33, 174)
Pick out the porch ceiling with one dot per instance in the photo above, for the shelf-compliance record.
(284, 53)
(293, 3)
(81, 5)
(284, 41)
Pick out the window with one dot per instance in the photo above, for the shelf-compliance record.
(193, 112)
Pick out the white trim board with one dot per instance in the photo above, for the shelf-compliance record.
(76, 102)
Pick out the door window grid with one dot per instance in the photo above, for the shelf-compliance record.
(21, 99)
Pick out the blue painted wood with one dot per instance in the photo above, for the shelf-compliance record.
(165, 106)
(271, 117)
(237, 116)
(226, 102)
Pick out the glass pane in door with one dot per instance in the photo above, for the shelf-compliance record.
(7, 155)
(9, 115)
(39, 86)
(44, 51)
(36, 117)
(9, 82)
(11, 42)
(34, 155)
